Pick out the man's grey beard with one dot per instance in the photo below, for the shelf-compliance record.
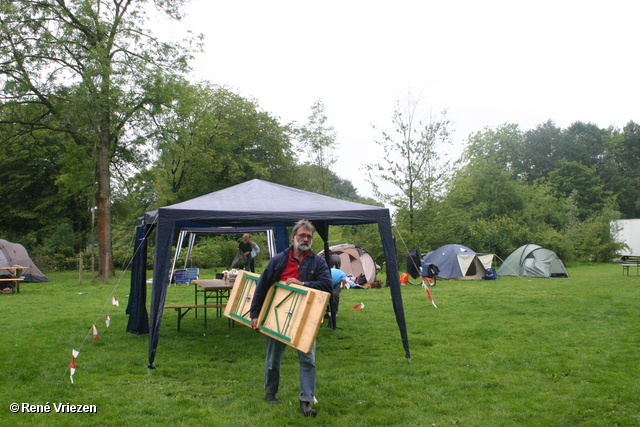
(302, 246)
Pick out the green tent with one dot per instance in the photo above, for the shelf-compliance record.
(533, 260)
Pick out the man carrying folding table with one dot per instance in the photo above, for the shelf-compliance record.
(300, 266)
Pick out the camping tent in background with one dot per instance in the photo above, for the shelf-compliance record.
(15, 254)
(533, 260)
(457, 262)
(355, 261)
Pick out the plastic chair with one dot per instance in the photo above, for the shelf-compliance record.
(193, 273)
(181, 277)
(187, 275)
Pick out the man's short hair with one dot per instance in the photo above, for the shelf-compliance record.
(303, 223)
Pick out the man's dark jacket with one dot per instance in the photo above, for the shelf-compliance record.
(314, 272)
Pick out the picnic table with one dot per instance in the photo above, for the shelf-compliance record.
(212, 289)
(12, 276)
(216, 289)
(628, 261)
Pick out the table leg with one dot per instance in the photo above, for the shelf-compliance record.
(195, 294)
(205, 297)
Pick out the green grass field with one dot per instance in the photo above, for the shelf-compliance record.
(514, 352)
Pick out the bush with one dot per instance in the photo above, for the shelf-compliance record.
(59, 249)
(212, 253)
(561, 244)
(596, 241)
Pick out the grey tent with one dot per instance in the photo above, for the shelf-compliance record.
(15, 254)
(457, 262)
(252, 203)
(355, 261)
(533, 260)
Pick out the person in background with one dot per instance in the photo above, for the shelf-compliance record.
(335, 261)
(255, 250)
(338, 279)
(300, 266)
(245, 247)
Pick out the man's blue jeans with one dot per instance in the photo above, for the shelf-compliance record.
(275, 350)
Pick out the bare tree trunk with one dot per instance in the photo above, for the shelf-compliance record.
(105, 258)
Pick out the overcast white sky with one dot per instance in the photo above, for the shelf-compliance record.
(487, 62)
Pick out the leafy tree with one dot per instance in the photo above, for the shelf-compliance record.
(623, 168)
(338, 187)
(593, 239)
(539, 154)
(502, 146)
(411, 161)
(134, 196)
(31, 201)
(212, 138)
(542, 210)
(317, 140)
(546, 146)
(484, 190)
(583, 143)
(343, 189)
(573, 179)
(88, 70)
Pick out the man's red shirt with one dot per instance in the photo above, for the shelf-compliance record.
(292, 268)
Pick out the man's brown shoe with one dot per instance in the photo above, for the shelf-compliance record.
(273, 398)
(307, 410)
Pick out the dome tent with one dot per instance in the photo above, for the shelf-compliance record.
(16, 254)
(533, 260)
(458, 262)
(354, 261)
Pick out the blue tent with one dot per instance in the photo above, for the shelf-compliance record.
(252, 203)
(458, 262)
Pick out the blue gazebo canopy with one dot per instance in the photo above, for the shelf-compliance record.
(252, 203)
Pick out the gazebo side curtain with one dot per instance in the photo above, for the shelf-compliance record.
(164, 237)
(137, 306)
